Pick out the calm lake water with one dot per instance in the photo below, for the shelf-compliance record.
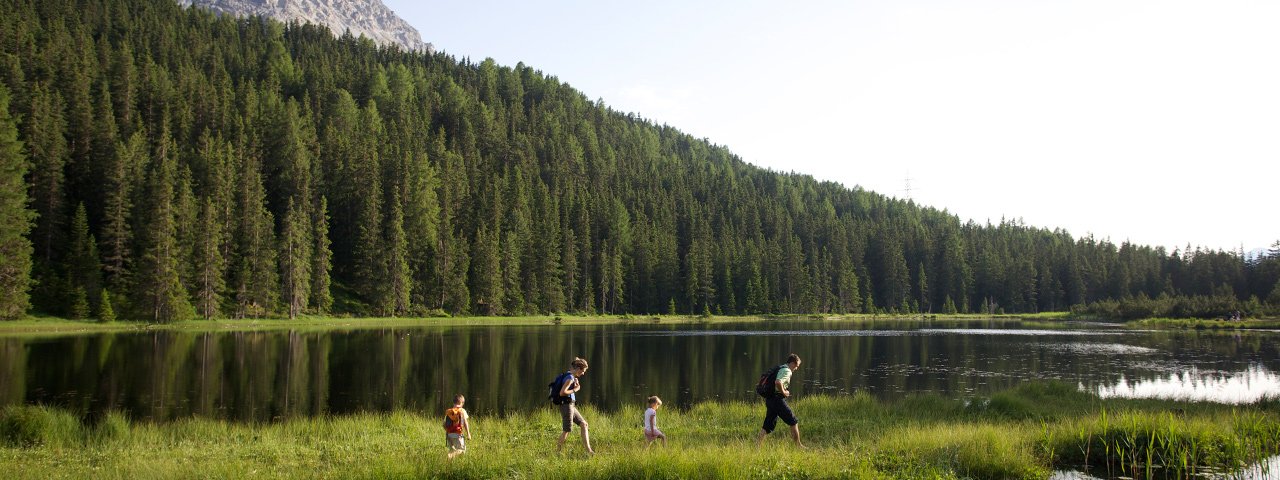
(270, 375)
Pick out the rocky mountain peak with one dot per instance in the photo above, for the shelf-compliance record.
(370, 18)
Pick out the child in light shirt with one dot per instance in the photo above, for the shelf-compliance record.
(651, 431)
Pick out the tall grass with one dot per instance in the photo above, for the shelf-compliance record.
(1021, 433)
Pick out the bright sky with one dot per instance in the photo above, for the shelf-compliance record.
(1156, 122)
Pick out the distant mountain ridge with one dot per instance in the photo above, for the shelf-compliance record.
(370, 18)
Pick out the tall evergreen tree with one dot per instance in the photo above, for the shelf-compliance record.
(47, 149)
(257, 283)
(83, 268)
(486, 275)
(295, 259)
(15, 218)
(922, 289)
(321, 260)
(209, 263)
(396, 276)
(121, 176)
(160, 295)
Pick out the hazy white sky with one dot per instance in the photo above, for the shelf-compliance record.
(1156, 122)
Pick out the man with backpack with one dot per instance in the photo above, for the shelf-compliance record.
(774, 386)
(562, 392)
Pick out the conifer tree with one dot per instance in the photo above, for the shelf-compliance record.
(257, 284)
(47, 149)
(119, 180)
(922, 289)
(124, 84)
(486, 275)
(369, 262)
(106, 312)
(948, 306)
(160, 294)
(397, 278)
(421, 221)
(321, 260)
(848, 296)
(757, 302)
(105, 139)
(295, 260)
(457, 297)
(209, 264)
(79, 304)
(83, 268)
(186, 212)
(15, 218)
(510, 269)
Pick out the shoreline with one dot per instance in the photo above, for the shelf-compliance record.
(38, 326)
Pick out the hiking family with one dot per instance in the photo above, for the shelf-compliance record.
(774, 385)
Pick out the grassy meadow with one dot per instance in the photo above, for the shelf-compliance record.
(1022, 433)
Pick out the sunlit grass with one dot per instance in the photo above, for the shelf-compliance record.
(1021, 433)
(53, 326)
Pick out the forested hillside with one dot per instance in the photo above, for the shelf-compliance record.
(180, 164)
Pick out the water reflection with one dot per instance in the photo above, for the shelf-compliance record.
(1100, 348)
(1018, 332)
(1251, 385)
(280, 374)
(1268, 469)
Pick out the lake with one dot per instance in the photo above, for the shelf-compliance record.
(263, 376)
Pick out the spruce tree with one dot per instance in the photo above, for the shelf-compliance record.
(257, 282)
(397, 279)
(120, 180)
(421, 221)
(922, 289)
(209, 265)
(46, 144)
(295, 259)
(83, 268)
(486, 274)
(369, 265)
(106, 312)
(160, 295)
(15, 218)
(321, 260)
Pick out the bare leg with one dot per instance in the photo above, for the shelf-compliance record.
(795, 434)
(586, 439)
(560, 444)
(664, 440)
(760, 438)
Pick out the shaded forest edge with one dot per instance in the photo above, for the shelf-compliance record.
(53, 326)
(177, 164)
(1024, 432)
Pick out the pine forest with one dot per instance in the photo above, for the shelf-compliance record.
(162, 163)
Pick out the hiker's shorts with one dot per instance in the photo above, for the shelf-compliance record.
(776, 408)
(455, 442)
(569, 416)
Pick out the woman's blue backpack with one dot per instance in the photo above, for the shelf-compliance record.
(553, 388)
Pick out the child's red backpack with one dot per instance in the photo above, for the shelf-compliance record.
(453, 420)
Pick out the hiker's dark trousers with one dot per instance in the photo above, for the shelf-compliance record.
(775, 408)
